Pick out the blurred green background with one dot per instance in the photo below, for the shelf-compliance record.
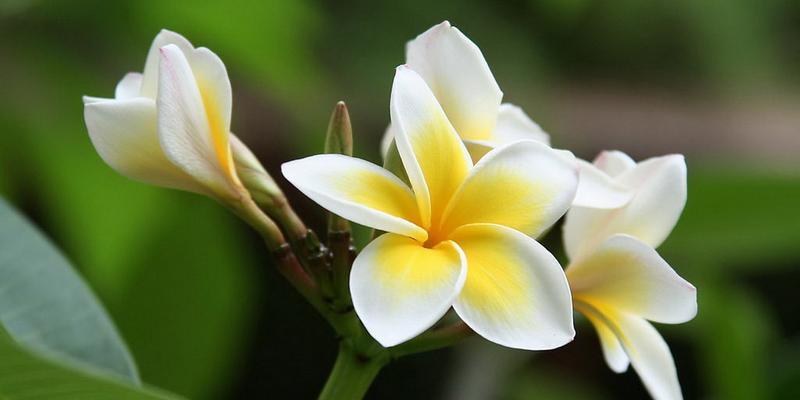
(192, 289)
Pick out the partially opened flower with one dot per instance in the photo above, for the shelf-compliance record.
(460, 235)
(619, 282)
(169, 125)
(458, 75)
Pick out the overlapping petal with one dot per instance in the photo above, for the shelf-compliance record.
(625, 274)
(455, 70)
(613, 352)
(359, 191)
(660, 195)
(648, 352)
(525, 185)
(515, 293)
(150, 74)
(614, 162)
(513, 125)
(596, 189)
(129, 86)
(194, 101)
(401, 288)
(433, 155)
(124, 134)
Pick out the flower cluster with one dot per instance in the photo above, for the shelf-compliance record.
(468, 185)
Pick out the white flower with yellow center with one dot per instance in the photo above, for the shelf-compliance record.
(460, 235)
(459, 76)
(169, 125)
(619, 281)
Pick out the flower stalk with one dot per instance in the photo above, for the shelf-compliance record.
(265, 192)
(352, 373)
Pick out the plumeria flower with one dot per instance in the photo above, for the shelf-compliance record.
(619, 282)
(459, 76)
(169, 126)
(460, 235)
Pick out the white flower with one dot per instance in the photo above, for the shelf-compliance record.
(460, 236)
(619, 281)
(169, 126)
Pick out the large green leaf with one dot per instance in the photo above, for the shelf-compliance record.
(46, 306)
(24, 375)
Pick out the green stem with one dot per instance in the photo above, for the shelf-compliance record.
(341, 246)
(352, 374)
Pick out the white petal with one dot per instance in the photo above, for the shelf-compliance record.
(660, 195)
(92, 99)
(194, 117)
(614, 162)
(596, 189)
(513, 125)
(455, 70)
(625, 274)
(401, 288)
(434, 157)
(650, 357)
(524, 185)
(129, 87)
(359, 191)
(387, 139)
(516, 293)
(124, 134)
(648, 352)
(613, 352)
(149, 86)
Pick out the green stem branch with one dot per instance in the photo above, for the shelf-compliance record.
(352, 374)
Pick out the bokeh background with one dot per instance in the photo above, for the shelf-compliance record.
(193, 291)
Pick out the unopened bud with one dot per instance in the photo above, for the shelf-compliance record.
(339, 140)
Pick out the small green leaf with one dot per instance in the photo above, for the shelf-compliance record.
(46, 306)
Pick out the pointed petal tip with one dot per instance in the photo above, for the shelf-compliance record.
(87, 100)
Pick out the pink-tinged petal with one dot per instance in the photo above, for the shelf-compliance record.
(149, 85)
(194, 117)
